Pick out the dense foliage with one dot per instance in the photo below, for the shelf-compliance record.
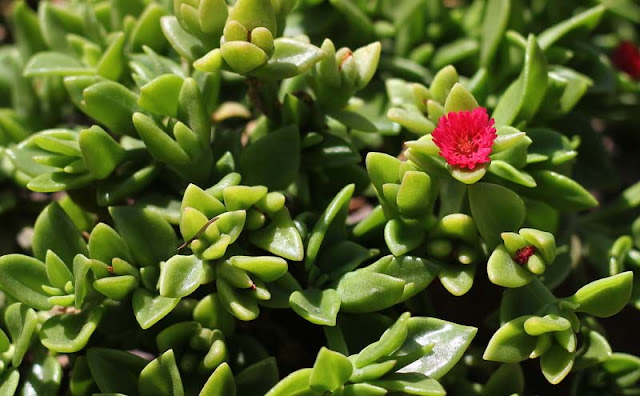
(343, 197)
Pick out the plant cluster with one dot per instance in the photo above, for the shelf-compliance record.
(273, 197)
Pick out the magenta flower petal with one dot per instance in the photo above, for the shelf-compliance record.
(465, 137)
(626, 58)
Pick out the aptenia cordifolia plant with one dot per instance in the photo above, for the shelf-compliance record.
(343, 197)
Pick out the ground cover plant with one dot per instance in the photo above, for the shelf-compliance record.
(342, 197)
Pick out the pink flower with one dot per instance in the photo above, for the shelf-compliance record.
(626, 58)
(465, 137)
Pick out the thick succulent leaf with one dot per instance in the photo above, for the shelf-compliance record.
(505, 272)
(273, 160)
(332, 219)
(521, 100)
(21, 277)
(392, 339)
(115, 371)
(9, 381)
(449, 340)
(362, 291)
(605, 297)
(556, 363)
(330, 371)
(290, 58)
(150, 309)
(180, 276)
(280, 237)
(55, 64)
(259, 378)
(495, 209)
(55, 231)
(21, 321)
(510, 343)
(296, 383)
(69, 333)
(43, 378)
(161, 377)
(220, 383)
(411, 383)
(150, 238)
(496, 19)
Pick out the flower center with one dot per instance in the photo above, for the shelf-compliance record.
(467, 146)
(465, 138)
(522, 255)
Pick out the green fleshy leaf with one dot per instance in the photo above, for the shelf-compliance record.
(55, 231)
(22, 277)
(595, 351)
(537, 325)
(115, 371)
(496, 19)
(392, 339)
(21, 321)
(588, 19)
(561, 192)
(242, 56)
(116, 287)
(293, 384)
(265, 268)
(55, 64)
(456, 278)
(185, 44)
(150, 238)
(331, 219)
(180, 276)
(161, 377)
(510, 343)
(417, 272)
(459, 99)
(402, 238)
(290, 58)
(239, 303)
(605, 297)
(112, 62)
(521, 100)
(111, 104)
(259, 378)
(105, 244)
(44, 377)
(70, 333)
(495, 209)
(273, 160)
(556, 363)
(100, 152)
(280, 237)
(9, 381)
(150, 309)
(442, 83)
(362, 291)
(411, 383)
(449, 342)
(220, 383)
(243, 197)
(330, 371)
(160, 95)
(317, 306)
(505, 272)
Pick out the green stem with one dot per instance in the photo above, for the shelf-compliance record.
(264, 96)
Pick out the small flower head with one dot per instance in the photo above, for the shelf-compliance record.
(465, 137)
(522, 255)
(626, 58)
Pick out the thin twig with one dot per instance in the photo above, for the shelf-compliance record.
(197, 235)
